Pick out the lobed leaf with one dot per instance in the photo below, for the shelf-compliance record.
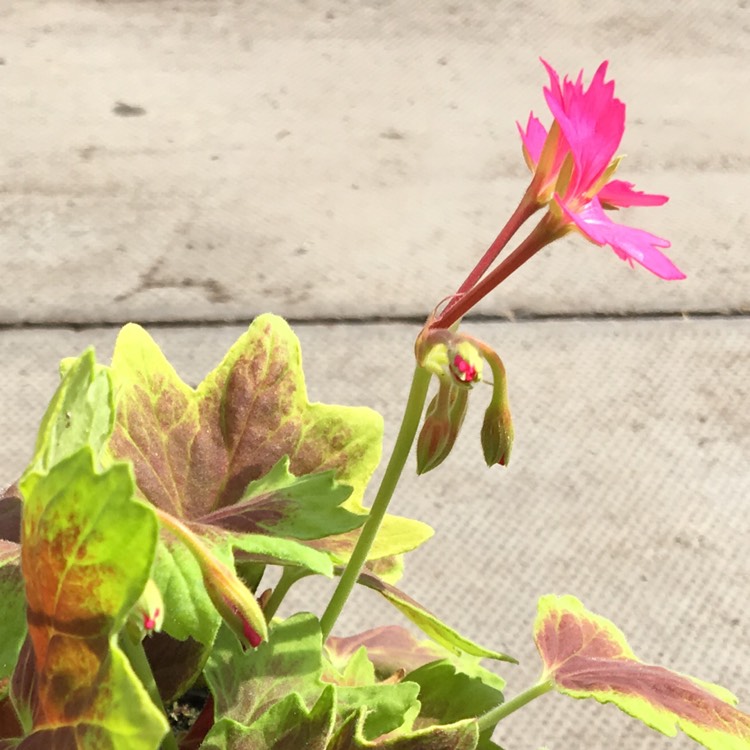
(462, 735)
(586, 656)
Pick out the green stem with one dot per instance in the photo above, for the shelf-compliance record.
(404, 441)
(488, 720)
(137, 658)
(289, 576)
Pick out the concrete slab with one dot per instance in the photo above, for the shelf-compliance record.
(208, 160)
(628, 487)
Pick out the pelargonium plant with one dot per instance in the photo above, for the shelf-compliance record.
(136, 544)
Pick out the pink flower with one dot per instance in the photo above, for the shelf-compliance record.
(573, 163)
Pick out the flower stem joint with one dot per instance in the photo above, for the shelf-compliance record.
(457, 360)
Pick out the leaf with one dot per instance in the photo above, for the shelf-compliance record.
(284, 505)
(287, 725)
(462, 735)
(196, 451)
(390, 649)
(437, 630)
(246, 685)
(448, 695)
(586, 656)
(81, 413)
(13, 618)
(243, 453)
(87, 552)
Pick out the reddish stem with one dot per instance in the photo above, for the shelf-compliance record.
(200, 728)
(546, 231)
(524, 210)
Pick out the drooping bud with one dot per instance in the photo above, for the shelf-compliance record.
(147, 615)
(233, 600)
(443, 421)
(497, 428)
(497, 436)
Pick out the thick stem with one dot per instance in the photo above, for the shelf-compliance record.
(544, 233)
(524, 210)
(404, 441)
(488, 720)
(138, 660)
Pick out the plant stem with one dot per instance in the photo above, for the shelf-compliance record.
(544, 233)
(137, 658)
(492, 717)
(289, 576)
(409, 424)
(524, 210)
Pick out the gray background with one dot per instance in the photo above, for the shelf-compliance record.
(343, 164)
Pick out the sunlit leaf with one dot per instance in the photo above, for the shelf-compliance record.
(247, 684)
(448, 695)
(287, 725)
(87, 551)
(428, 623)
(462, 735)
(586, 656)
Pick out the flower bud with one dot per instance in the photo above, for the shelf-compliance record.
(443, 421)
(147, 615)
(497, 435)
(234, 602)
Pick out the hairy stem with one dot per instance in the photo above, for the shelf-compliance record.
(404, 441)
(492, 717)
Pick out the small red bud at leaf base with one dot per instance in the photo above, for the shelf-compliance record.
(147, 615)
(443, 421)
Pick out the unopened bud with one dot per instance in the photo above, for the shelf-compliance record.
(234, 602)
(443, 421)
(147, 615)
(497, 435)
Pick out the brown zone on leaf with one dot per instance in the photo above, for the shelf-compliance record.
(582, 656)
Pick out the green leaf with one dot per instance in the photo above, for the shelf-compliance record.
(246, 685)
(81, 413)
(462, 735)
(428, 623)
(14, 617)
(287, 725)
(448, 695)
(284, 505)
(87, 550)
(586, 656)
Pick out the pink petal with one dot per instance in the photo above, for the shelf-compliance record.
(592, 121)
(628, 242)
(620, 194)
(533, 137)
